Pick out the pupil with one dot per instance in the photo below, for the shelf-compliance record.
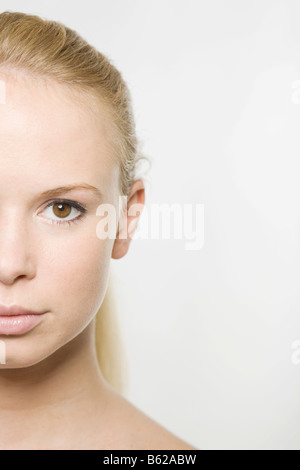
(62, 209)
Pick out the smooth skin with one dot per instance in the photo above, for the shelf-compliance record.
(53, 395)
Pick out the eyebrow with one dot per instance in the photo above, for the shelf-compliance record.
(70, 187)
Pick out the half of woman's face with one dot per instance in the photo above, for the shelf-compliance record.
(51, 259)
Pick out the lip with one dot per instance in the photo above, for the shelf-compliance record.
(16, 320)
(17, 310)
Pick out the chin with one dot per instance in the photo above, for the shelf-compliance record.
(21, 352)
(19, 361)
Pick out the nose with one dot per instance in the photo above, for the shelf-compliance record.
(16, 250)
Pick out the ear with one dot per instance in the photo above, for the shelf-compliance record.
(129, 219)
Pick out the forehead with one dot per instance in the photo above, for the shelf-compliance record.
(49, 125)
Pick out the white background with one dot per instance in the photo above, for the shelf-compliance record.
(209, 332)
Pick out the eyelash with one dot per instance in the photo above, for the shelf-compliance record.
(74, 204)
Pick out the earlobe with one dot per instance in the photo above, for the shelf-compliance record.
(120, 248)
(122, 240)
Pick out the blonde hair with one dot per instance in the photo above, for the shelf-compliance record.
(49, 49)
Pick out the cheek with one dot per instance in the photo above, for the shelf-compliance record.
(77, 282)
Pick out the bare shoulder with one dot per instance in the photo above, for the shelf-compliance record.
(138, 431)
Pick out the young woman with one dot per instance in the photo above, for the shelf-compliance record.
(68, 153)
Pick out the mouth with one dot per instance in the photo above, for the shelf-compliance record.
(17, 320)
(19, 324)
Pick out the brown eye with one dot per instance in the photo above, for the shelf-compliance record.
(61, 209)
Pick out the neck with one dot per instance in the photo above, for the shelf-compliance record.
(52, 392)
